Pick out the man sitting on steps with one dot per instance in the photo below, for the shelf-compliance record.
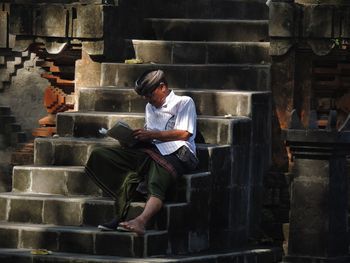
(166, 150)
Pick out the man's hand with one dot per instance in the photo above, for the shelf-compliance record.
(165, 136)
(143, 135)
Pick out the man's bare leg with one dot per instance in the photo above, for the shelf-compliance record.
(137, 225)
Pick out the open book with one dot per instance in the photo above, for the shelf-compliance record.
(122, 132)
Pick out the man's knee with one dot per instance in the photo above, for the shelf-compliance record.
(160, 183)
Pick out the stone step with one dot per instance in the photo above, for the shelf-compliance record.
(224, 102)
(7, 52)
(214, 130)
(72, 180)
(15, 61)
(11, 65)
(237, 9)
(60, 180)
(85, 240)
(206, 29)
(71, 151)
(13, 127)
(192, 76)
(18, 137)
(5, 110)
(55, 209)
(5, 75)
(173, 217)
(6, 120)
(256, 254)
(174, 52)
(90, 211)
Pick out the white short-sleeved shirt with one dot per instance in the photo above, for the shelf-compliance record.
(177, 113)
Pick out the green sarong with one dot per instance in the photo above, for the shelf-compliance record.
(119, 172)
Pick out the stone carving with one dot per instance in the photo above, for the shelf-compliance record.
(318, 216)
(322, 24)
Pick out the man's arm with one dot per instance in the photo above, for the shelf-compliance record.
(164, 136)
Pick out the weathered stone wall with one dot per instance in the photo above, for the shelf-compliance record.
(21, 89)
(53, 25)
(300, 32)
(25, 96)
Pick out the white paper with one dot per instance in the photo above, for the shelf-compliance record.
(102, 131)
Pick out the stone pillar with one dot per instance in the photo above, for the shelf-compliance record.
(318, 216)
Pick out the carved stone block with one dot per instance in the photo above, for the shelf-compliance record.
(21, 19)
(346, 23)
(83, 25)
(281, 23)
(50, 20)
(3, 29)
(318, 21)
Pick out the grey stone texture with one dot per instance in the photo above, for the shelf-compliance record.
(62, 213)
(89, 241)
(25, 97)
(28, 211)
(51, 209)
(207, 30)
(38, 239)
(67, 21)
(50, 21)
(317, 21)
(345, 29)
(318, 196)
(121, 244)
(213, 76)
(9, 238)
(4, 29)
(206, 9)
(263, 255)
(230, 103)
(327, 2)
(320, 202)
(87, 74)
(21, 19)
(201, 52)
(76, 242)
(82, 26)
(214, 130)
(282, 19)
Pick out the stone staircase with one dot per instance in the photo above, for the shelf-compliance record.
(53, 205)
(10, 62)
(10, 131)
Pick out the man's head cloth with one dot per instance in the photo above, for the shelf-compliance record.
(149, 81)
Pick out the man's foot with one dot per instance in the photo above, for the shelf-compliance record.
(110, 226)
(134, 225)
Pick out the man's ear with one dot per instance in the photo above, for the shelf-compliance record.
(163, 86)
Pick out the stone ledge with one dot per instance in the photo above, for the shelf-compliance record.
(201, 52)
(54, 209)
(124, 100)
(215, 130)
(203, 29)
(84, 240)
(239, 77)
(256, 255)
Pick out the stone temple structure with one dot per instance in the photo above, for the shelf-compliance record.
(246, 64)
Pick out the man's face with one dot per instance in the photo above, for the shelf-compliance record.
(157, 96)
